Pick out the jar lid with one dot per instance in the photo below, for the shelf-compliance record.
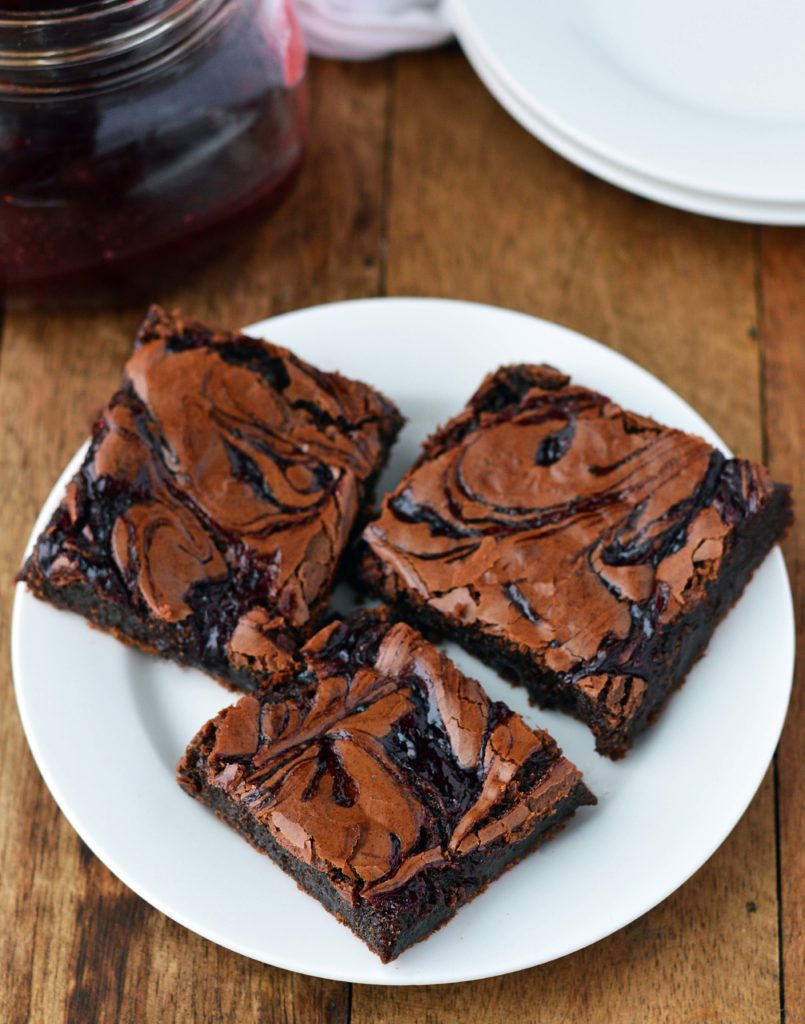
(58, 46)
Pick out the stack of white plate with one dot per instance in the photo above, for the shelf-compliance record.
(698, 105)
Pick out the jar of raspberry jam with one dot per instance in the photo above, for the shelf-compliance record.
(130, 127)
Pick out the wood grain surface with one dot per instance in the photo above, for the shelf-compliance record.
(416, 182)
(781, 276)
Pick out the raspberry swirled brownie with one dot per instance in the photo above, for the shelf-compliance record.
(383, 780)
(220, 487)
(582, 550)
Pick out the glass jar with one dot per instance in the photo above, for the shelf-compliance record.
(131, 127)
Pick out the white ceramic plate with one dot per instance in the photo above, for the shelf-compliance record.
(651, 188)
(708, 99)
(107, 725)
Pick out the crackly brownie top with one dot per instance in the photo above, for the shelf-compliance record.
(391, 762)
(225, 472)
(546, 514)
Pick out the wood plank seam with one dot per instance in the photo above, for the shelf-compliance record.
(782, 264)
(386, 182)
(757, 243)
(779, 869)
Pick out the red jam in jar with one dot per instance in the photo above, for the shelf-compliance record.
(129, 126)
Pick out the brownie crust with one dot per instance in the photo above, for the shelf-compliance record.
(581, 550)
(221, 486)
(388, 785)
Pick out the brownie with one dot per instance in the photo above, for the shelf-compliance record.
(386, 782)
(583, 551)
(221, 485)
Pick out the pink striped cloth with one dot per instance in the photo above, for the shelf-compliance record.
(365, 29)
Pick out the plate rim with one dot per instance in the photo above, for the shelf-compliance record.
(393, 979)
(468, 33)
(626, 178)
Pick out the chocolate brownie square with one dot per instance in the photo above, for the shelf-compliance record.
(580, 549)
(220, 487)
(384, 781)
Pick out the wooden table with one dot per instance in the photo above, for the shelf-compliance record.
(416, 183)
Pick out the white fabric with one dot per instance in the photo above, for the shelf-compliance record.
(365, 29)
